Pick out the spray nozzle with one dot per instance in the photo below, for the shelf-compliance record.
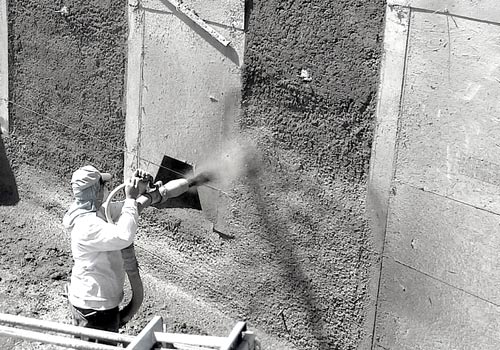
(201, 179)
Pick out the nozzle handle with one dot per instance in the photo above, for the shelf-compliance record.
(173, 188)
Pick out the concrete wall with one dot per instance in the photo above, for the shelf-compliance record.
(433, 184)
(184, 87)
(297, 267)
(68, 68)
(4, 70)
(298, 263)
(317, 134)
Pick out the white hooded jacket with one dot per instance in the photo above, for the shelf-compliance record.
(98, 275)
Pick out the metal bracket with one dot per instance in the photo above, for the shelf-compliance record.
(200, 22)
(186, 11)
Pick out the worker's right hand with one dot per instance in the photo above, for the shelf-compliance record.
(147, 177)
(133, 188)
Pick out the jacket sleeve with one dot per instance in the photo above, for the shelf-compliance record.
(115, 209)
(106, 237)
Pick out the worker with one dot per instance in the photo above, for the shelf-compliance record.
(97, 279)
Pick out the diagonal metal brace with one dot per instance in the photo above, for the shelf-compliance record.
(186, 11)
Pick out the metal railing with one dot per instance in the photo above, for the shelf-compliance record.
(151, 337)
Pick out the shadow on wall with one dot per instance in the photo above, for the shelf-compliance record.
(8, 186)
(248, 12)
(293, 276)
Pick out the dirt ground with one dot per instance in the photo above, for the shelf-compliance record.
(299, 268)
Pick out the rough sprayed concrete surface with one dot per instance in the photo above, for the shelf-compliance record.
(329, 120)
(316, 137)
(298, 266)
(71, 69)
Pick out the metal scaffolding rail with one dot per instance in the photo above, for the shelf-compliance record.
(151, 337)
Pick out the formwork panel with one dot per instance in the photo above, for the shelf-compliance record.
(190, 91)
(420, 312)
(439, 282)
(449, 126)
(448, 240)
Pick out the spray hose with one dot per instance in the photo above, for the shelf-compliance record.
(156, 195)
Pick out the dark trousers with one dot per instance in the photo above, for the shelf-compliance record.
(106, 320)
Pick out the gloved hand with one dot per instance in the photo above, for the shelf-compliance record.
(132, 189)
(140, 181)
(144, 175)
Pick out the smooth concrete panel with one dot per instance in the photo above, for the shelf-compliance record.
(190, 93)
(134, 88)
(439, 281)
(448, 240)
(448, 137)
(420, 312)
(4, 69)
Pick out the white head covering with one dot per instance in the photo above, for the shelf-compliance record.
(85, 183)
